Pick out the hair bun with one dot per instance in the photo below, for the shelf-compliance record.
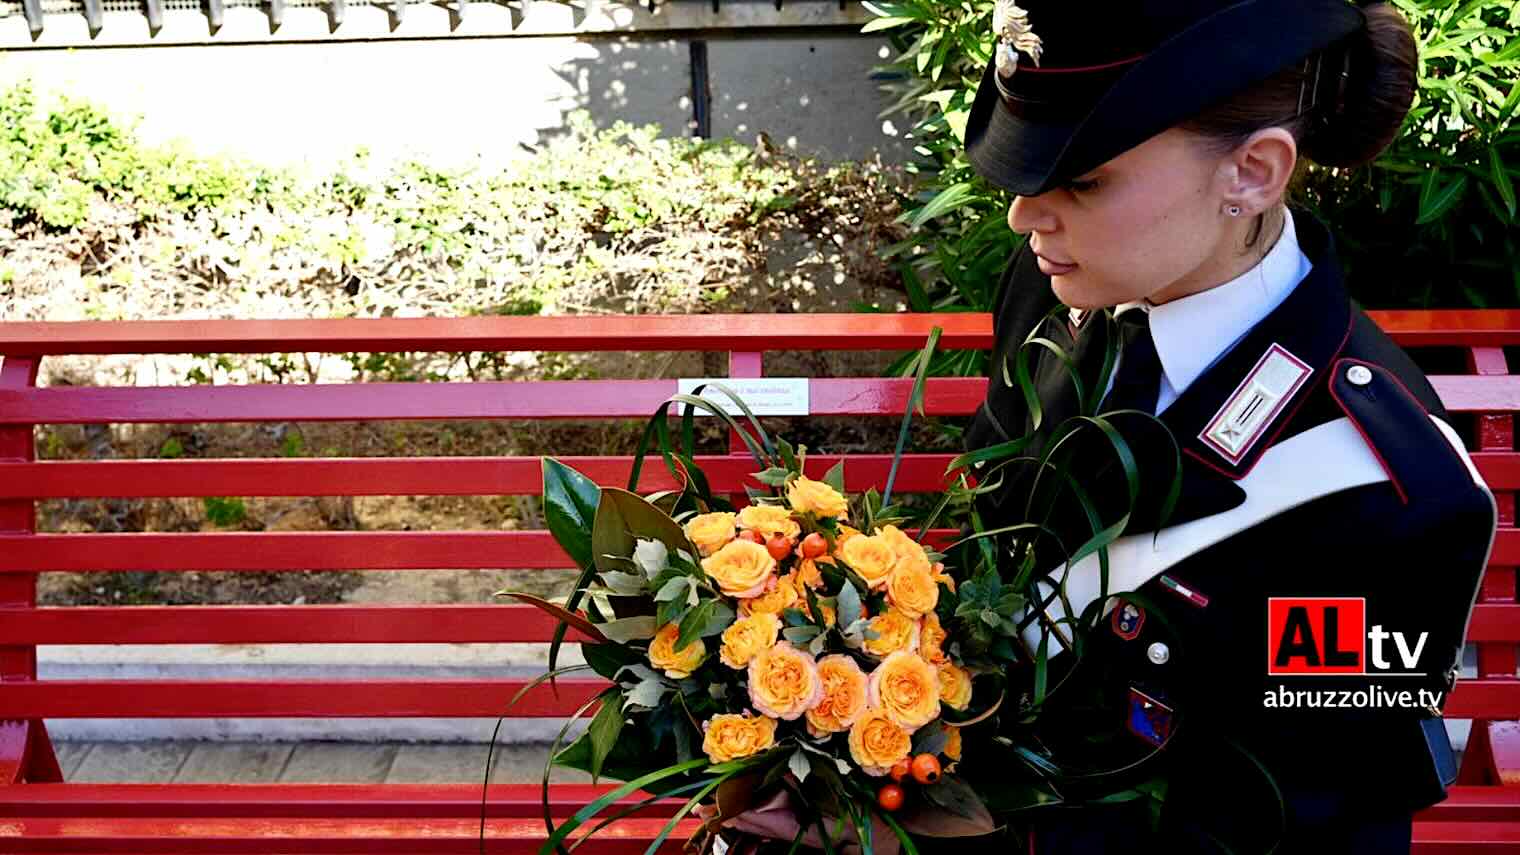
(1376, 97)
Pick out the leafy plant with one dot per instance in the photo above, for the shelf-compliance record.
(1431, 222)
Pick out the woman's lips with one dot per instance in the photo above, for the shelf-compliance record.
(1051, 268)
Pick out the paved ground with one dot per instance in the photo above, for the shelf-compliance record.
(302, 762)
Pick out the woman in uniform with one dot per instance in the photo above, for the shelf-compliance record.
(1329, 530)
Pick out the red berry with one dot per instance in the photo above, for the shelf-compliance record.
(779, 547)
(890, 797)
(752, 536)
(814, 546)
(900, 769)
(926, 768)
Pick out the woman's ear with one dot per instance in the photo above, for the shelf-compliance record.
(1262, 167)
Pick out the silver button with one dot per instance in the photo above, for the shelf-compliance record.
(1158, 653)
(1359, 375)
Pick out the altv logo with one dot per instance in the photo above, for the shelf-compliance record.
(1329, 635)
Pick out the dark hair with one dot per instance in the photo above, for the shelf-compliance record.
(1352, 119)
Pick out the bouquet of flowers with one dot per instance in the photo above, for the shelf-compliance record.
(807, 670)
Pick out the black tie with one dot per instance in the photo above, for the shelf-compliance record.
(1139, 380)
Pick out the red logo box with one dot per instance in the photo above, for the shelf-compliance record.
(1316, 635)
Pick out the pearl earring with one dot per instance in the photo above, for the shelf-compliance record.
(1234, 210)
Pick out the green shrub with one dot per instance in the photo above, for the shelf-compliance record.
(1431, 222)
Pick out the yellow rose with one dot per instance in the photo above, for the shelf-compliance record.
(675, 663)
(844, 696)
(895, 632)
(942, 577)
(709, 532)
(912, 590)
(953, 743)
(747, 636)
(871, 557)
(809, 496)
(954, 686)
(729, 737)
(877, 742)
(931, 637)
(808, 572)
(783, 682)
(741, 568)
(907, 688)
(780, 596)
(907, 550)
(769, 520)
(845, 533)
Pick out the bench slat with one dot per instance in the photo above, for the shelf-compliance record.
(539, 399)
(1480, 698)
(719, 333)
(418, 476)
(325, 624)
(279, 836)
(298, 550)
(377, 624)
(311, 801)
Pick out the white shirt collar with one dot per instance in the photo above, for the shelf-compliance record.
(1193, 332)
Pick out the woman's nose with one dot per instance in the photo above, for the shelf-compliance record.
(1026, 215)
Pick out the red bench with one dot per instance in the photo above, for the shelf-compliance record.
(39, 812)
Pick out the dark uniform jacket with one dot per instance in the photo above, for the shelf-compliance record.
(1346, 482)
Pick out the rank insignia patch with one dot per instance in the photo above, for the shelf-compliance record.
(1126, 620)
(1250, 409)
(1149, 718)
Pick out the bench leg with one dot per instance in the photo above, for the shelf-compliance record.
(26, 754)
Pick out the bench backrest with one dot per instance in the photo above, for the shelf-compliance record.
(1485, 392)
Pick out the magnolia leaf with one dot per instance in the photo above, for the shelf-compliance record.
(651, 556)
(570, 503)
(624, 630)
(604, 730)
(640, 672)
(816, 647)
(953, 794)
(608, 660)
(647, 694)
(623, 519)
(931, 738)
(673, 588)
(963, 814)
(800, 635)
(849, 609)
(798, 764)
(594, 631)
(624, 584)
(722, 618)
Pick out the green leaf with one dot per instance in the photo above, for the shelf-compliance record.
(850, 608)
(604, 729)
(673, 588)
(947, 200)
(773, 477)
(835, 477)
(624, 630)
(570, 501)
(622, 518)
(885, 24)
(695, 621)
(1443, 200)
(1501, 178)
(608, 659)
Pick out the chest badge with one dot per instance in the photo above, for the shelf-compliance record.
(1149, 718)
(1126, 620)
(1250, 409)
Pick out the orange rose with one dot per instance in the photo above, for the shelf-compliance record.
(783, 682)
(912, 590)
(931, 637)
(729, 737)
(780, 595)
(675, 663)
(954, 686)
(746, 637)
(709, 532)
(907, 550)
(942, 577)
(844, 696)
(816, 497)
(808, 572)
(895, 632)
(741, 568)
(769, 521)
(871, 557)
(877, 742)
(906, 687)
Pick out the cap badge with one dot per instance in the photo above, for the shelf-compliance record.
(1012, 27)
